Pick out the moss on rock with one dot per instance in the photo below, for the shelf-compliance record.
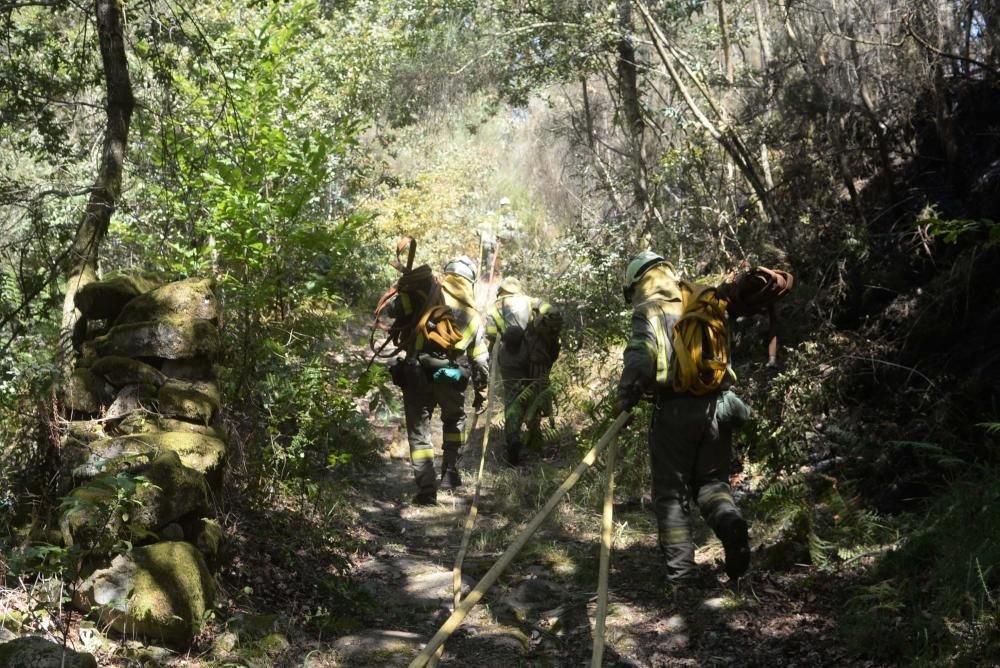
(197, 401)
(192, 298)
(105, 299)
(159, 591)
(198, 451)
(121, 371)
(173, 337)
(86, 392)
(36, 652)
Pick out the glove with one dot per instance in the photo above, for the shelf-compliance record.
(628, 397)
(479, 402)
(449, 374)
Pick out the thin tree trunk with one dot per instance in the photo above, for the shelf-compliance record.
(727, 55)
(628, 90)
(80, 267)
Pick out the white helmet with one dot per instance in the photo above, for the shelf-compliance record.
(462, 266)
(638, 266)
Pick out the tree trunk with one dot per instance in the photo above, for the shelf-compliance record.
(81, 267)
(628, 90)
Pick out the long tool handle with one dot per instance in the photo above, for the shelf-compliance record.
(607, 524)
(470, 601)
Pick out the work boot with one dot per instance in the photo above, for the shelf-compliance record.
(514, 451)
(425, 497)
(450, 478)
(732, 531)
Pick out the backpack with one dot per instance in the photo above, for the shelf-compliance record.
(700, 340)
(755, 290)
(409, 297)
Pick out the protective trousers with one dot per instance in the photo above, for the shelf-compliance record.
(420, 397)
(519, 395)
(689, 456)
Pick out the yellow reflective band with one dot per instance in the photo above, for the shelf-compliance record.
(469, 334)
(422, 454)
(454, 437)
(675, 536)
(479, 350)
(662, 367)
(544, 308)
(498, 319)
(719, 497)
(407, 304)
(419, 343)
(491, 329)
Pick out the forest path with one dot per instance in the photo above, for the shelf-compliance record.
(541, 611)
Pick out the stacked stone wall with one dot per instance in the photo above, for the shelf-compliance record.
(143, 400)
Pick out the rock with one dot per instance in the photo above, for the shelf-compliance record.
(191, 299)
(175, 491)
(532, 594)
(158, 591)
(169, 424)
(105, 299)
(35, 652)
(378, 648)
(111, 455)
(198, 451)
(121, 371)
(197, 401)
(132, 398)
(86, 392)
(170, 338)
(189, 369)
(209, 538)
(86, 431)
(172, 531)
(138, 422)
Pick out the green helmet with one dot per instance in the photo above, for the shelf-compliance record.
(638, 266)
(462, 266)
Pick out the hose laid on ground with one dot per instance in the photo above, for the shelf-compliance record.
(607, 524)
(470, 519)
(452, 623)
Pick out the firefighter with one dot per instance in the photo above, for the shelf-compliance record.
(527, 332)
(689, 437)
(448, 352)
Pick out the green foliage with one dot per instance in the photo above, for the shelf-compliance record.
(941, 587)
(986, 232)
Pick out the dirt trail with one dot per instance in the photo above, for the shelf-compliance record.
(541, 611)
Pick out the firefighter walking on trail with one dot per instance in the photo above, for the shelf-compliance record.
(527, 332)
(447, 351)
(690, 435)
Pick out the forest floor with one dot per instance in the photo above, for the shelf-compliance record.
(541, 612)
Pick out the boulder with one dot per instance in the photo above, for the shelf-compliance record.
(208, 537)
(105, 299)
(86, 392)
(111, 455)
(189, 369)
(121, 371)
(169, 424)
(86, 431)
(138, 422)
(35, 652)
(131, 399)
(191, 299)
(158, 591)
(198, 451)
(175, 491)
(170, 338)
(196, 401)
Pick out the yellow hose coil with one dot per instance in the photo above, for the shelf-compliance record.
(701, 341)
